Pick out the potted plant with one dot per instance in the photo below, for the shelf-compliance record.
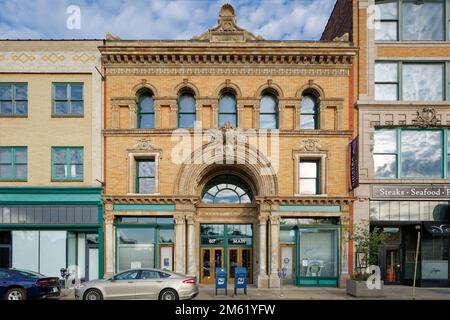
(363, 282)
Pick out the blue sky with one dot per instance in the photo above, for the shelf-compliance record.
(161, 19)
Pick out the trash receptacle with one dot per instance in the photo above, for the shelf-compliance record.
(221, 279)
(240, 279)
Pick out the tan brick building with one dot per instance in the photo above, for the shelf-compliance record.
(51, 156)
(403, 104)
(228, 150)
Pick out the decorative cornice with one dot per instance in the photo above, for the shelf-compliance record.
(426, 117)
(170, 132)
(128, 199)
(306, 200)
(315, 70)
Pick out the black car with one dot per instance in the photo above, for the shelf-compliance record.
(17, 284)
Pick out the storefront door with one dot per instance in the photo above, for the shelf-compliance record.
(393, 266)
(92, 267)
(287, 263)
(211, 258)
(239, 257)
(166, 257)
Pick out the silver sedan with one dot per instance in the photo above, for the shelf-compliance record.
(139, 284)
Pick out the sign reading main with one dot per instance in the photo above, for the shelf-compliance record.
(411, 191)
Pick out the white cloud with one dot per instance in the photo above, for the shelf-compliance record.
(161, 19)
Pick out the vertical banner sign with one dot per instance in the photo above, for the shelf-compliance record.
(354, 163)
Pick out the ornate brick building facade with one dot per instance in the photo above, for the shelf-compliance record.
(228, 150)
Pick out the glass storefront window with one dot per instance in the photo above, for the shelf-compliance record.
(287, 236)
(39, 251)
(166, 236)
(318, 256)
(435, 254)
(136, 248)
(409, 210)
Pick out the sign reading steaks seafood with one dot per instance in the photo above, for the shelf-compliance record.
(411, 191)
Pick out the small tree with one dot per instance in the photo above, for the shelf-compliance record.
(368, 243)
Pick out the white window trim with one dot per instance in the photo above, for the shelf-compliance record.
(322, 158)
(132, 157)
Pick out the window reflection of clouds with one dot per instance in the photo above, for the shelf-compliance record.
(423, 22)
(385, 166)
(421, 154)
(422, 82)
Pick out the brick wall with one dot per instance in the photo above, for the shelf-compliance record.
(340, 21)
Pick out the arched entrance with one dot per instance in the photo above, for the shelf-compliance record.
(225, 221)
(225, 243)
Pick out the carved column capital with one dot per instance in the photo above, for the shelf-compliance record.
(274, 219)
(108, 217)
(190, 218)
(179, 218)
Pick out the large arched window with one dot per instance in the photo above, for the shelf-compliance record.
(268, 112)
(309, 112)
(186, 110)
(226, 189)
(146, 111)
(227, 110)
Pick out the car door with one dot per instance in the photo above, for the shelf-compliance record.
(122, 285)
(149, 284)
(5, 281)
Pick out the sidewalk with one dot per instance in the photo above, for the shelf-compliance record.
(309, 293)
(322, 293)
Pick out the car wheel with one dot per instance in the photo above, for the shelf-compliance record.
(93, 294)
(168, 294)
(16, 294)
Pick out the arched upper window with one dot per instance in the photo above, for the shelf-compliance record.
(146, 111)
(186, 110)
(309, 112)
(227, 109)
(226, 189)
(268, 112)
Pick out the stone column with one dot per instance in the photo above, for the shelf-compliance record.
(274, 279)
(215, 115)
(340, 117)
(344, 245)
(157, 108)
(180, 243)
(198, 116)
(133, 118)
(109, 241)
(174, 116)
(322, 115)
(115, 116)
(240, 115)
(263, 278)
(191, 261)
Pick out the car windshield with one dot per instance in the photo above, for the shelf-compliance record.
(30, 274)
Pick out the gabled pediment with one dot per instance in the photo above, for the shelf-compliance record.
(227, 29)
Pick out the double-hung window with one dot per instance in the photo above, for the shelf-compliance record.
(13, 163)
(309, 177)
(68, 99)
(186, 110)
(409, 81)
(385, 154)
(13, 99)
(411, 20)
(145, 176)
(67, 163)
